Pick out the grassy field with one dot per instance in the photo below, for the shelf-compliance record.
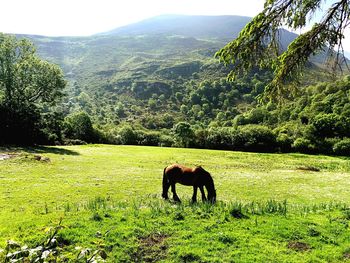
(271, 207)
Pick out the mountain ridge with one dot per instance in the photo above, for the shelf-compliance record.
(225, 26)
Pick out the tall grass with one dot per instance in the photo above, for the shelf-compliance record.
(155, 206)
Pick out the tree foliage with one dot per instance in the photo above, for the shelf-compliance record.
(78, 126)
(28, 84)
(258, 43)
(24, 77)
(183, 133)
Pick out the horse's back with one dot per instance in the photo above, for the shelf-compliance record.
(177, 168)
(182, 174)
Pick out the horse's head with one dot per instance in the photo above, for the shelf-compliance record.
(210, 186)
(212, 196)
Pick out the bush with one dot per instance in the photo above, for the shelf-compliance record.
(284, 142)
(78, 125)
(326, 145)
(255, 138)
(219, 138)
(327, 125)
(51, 128)
(303, 145)
(245, 138)
(166, 140)
(149, 138)
(109, 134)
(128, 135)
(342, 147)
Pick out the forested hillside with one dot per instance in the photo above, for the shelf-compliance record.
(157, 83)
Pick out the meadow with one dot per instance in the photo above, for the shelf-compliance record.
(96, 203)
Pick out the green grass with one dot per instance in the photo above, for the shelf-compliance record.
(272, 207)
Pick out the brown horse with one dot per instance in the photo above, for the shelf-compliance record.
(196, 177)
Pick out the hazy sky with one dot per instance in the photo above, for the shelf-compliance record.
(87, 17)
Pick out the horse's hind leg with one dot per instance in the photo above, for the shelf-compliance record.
(176, 198)
(194, 196)
(166, 186)
(203, 193)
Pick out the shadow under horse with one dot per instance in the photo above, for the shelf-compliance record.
(196, 177)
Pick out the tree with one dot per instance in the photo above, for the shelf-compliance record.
(24, 77)
(183, 134)
(258, 43)
(27, 85)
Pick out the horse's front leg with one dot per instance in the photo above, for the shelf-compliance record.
(194, 196)
(176, 198)
(203, 193)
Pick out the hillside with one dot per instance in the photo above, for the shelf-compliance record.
(161, 55)
(139, 85)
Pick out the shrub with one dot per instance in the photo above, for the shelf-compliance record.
(326, 145)
(220, 138)
(149, 138)
(284, 142)
(246, 138)
(342, 147)
(127, 135)
(166, 140)
(51, 128)
(257, 138)
(110, 135)
(327, 125)
(303, 145)
(78, 125)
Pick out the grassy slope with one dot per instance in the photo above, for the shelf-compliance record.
(116, 190)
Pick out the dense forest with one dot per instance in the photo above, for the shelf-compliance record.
(150, 85)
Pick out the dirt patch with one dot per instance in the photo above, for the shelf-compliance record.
(41, 158)
(346, 255)
(308, 168)
(152, 248)
(298, 246)
(5, 156)
(36, 157)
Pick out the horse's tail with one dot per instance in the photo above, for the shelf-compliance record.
(165, 180)
(165, 183)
